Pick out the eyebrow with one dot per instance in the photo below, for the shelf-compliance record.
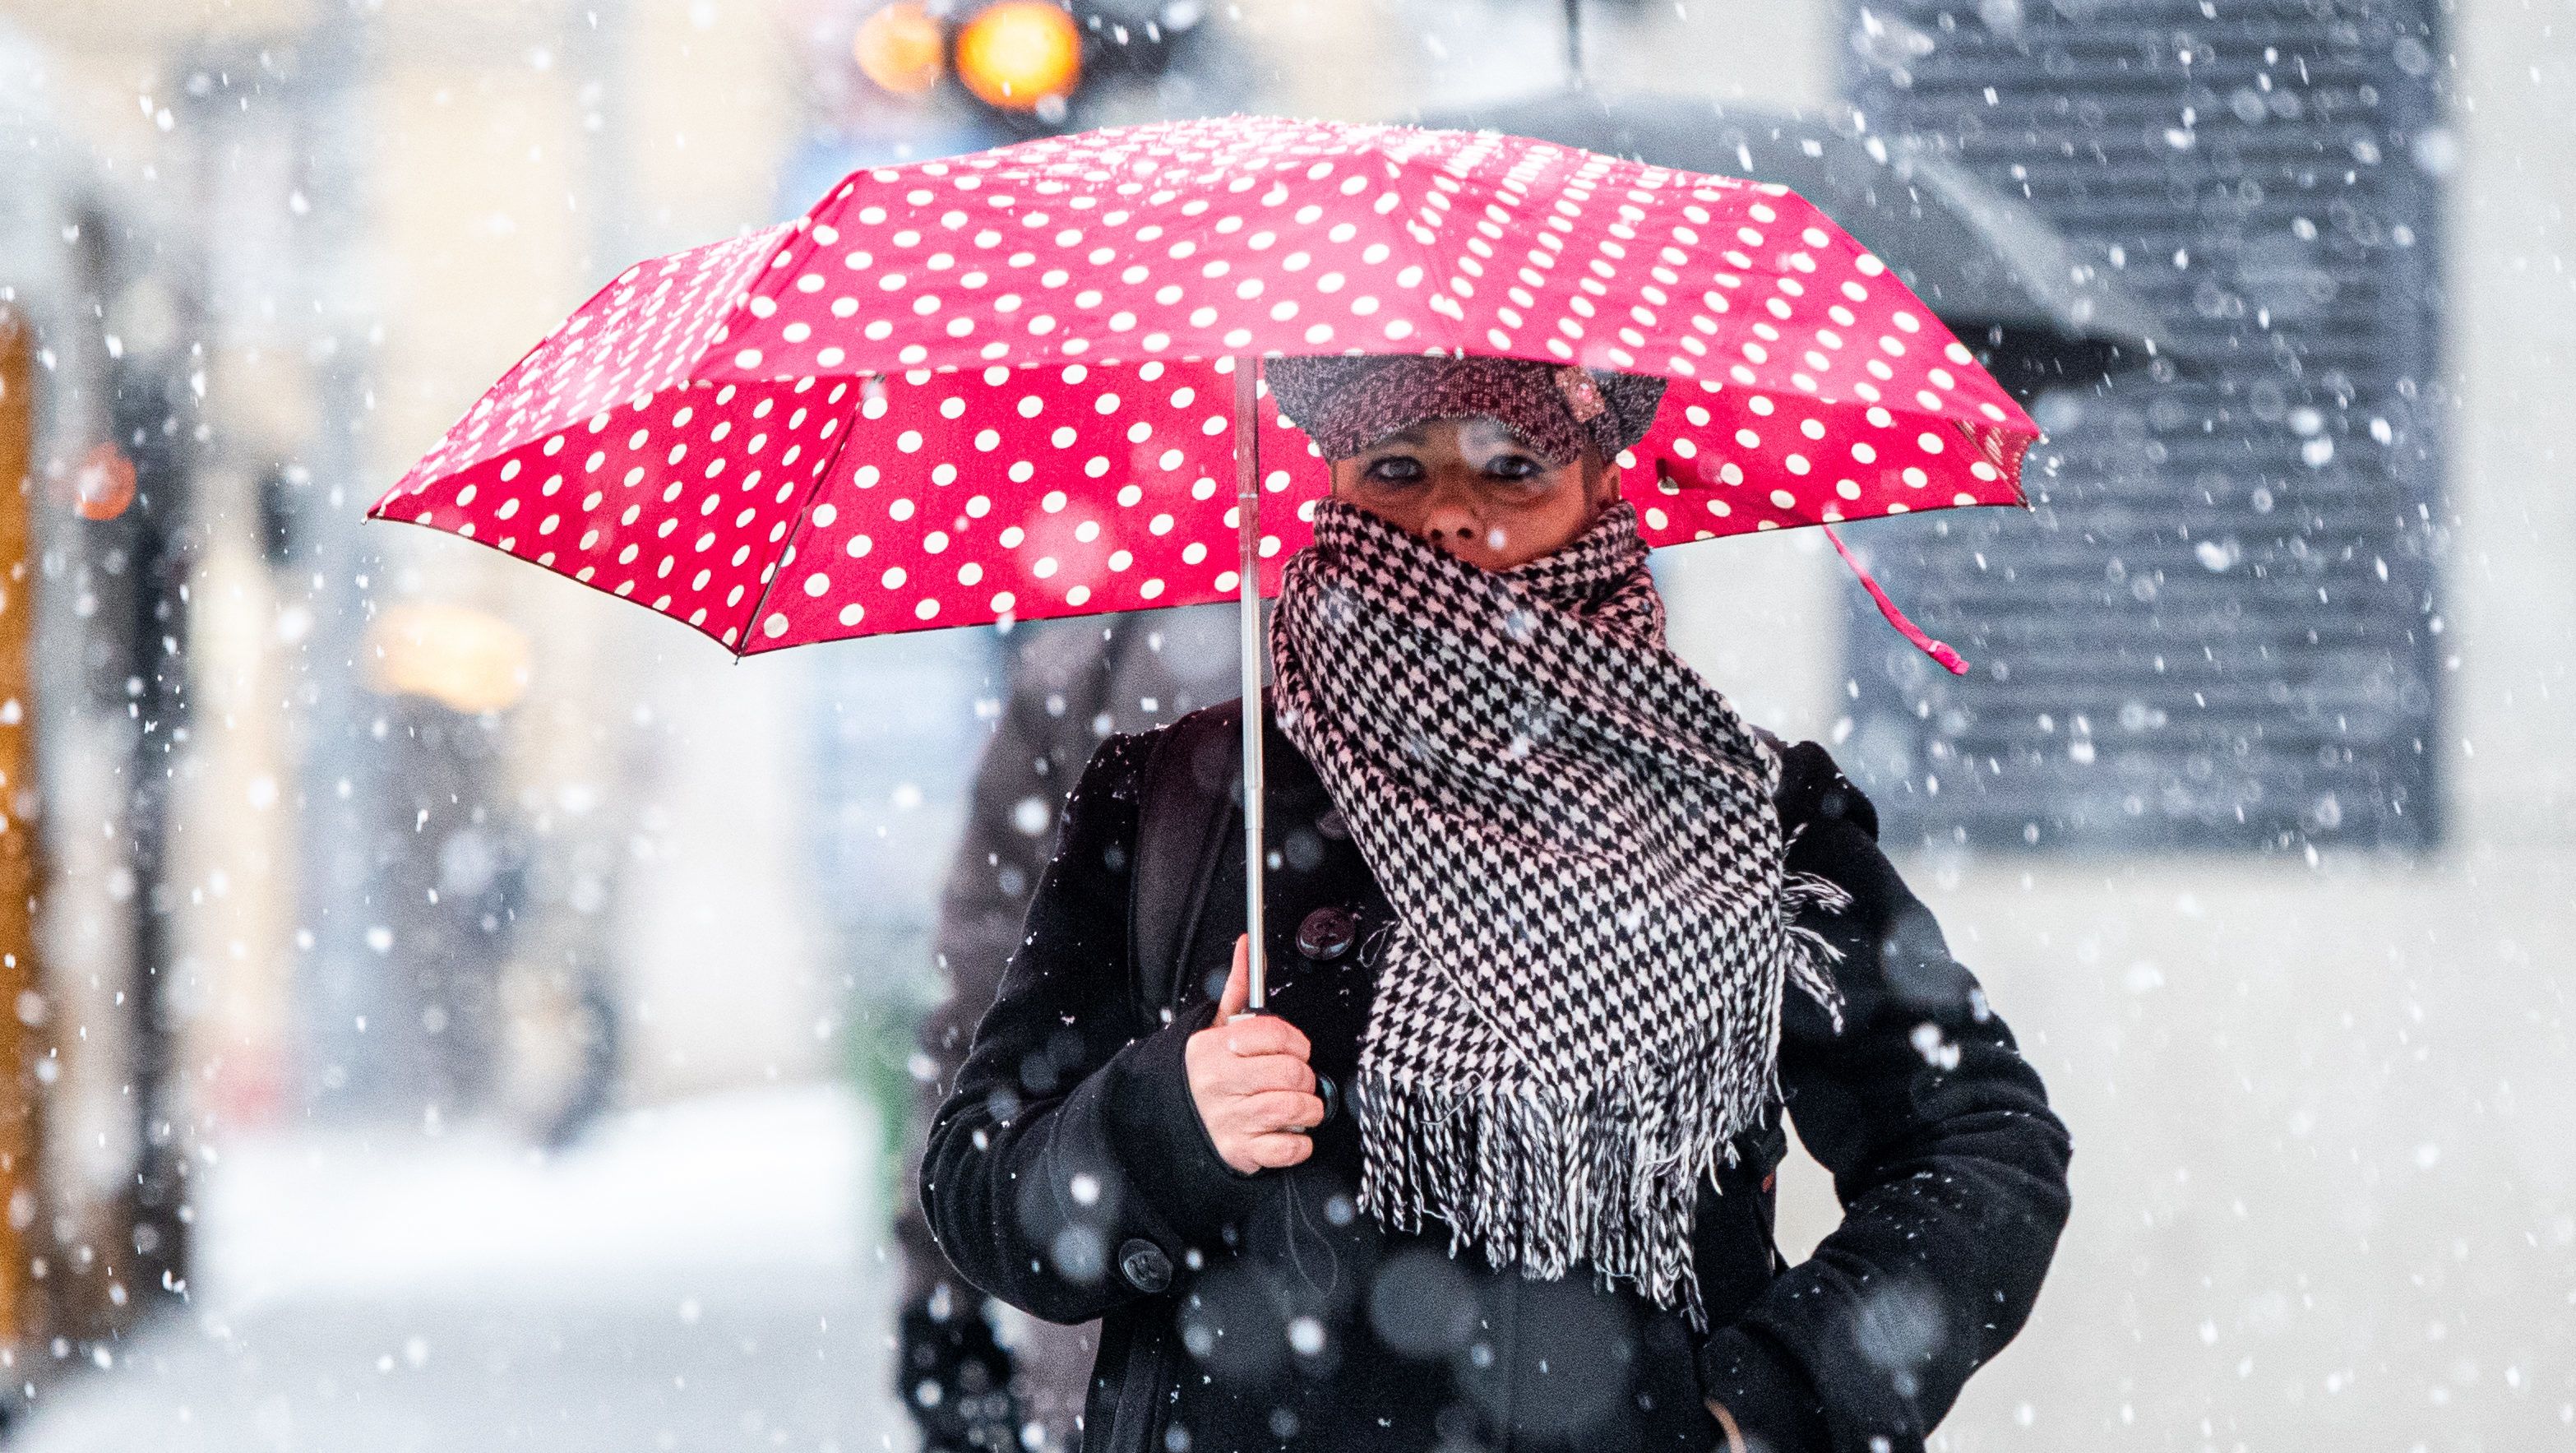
(1418, 433)
(1414, 433)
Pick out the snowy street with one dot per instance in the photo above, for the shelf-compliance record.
(456, 1294)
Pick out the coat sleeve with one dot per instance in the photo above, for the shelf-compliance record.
(1949, 1164)
(1068, 1171)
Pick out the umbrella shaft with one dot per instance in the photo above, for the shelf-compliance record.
(1247, 495)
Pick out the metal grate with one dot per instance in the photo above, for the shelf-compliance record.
(2218, 627)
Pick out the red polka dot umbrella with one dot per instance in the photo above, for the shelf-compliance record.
(1016, 383)
(1000, 384)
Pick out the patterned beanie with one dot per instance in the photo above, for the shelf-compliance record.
(1347, 402)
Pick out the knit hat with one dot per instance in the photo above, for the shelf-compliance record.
(1347, 402)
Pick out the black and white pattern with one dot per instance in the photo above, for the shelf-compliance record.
(1346, 403)
(1580, 1005)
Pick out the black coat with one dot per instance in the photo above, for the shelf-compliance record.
(1068, 1174)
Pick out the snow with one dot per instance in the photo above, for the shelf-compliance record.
(695, 1275)
(743, 1182)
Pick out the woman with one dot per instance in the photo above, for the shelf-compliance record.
(1571, 935)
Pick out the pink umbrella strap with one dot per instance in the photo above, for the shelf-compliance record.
(1937, 650)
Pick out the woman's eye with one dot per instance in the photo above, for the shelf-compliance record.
(1514, 466)
(1397, 470)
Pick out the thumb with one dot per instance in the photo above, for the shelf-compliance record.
(1238, 981)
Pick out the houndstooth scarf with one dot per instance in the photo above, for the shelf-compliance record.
(1579, 1004)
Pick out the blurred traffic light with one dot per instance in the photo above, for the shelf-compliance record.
(1020, 55)
(901, 48)
(1030, 63)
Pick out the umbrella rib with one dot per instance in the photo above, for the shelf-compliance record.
(804, 508)
(787, 238)
(1427, 254)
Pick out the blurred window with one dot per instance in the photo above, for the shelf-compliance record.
(2220, 628)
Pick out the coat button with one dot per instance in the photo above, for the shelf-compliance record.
(1144, 1265)
(1326, 934)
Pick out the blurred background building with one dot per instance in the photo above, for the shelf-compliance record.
(455, 1008)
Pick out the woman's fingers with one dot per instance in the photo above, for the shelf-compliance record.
(1264, 1072)
(1276, 1152)
(1261, 1034)
(1272, 1111)
(1230, 1076)
(1254, 1132)
(1238, 981)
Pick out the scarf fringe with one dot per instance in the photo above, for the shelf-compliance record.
(1538, 1186)
(1813, 957)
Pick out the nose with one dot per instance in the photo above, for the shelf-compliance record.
(1451, 520)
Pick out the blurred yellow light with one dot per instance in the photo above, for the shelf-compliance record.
(462, 658)
(1017, 54)
(898, 47)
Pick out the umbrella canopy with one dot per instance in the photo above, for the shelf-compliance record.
(1009, 384)
(1993, 269)
(1003, 385)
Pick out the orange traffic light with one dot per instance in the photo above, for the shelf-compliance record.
(900, 48)
(1019, 54)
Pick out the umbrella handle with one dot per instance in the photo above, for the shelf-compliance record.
(1247, 499)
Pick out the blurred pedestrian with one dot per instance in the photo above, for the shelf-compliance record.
(1557, 938)
(1066, 687)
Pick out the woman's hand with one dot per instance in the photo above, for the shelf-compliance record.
(1249, 1077)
